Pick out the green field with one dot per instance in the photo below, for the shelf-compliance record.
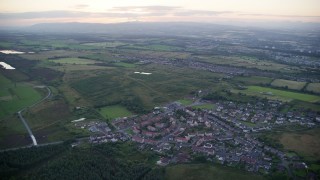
(295, 85)
(204, 106)
(73, 61)
(313, 87)
(105, 44)
(278, 94)
(185, 102)
(127, 65)
(252, 80)
(207, 172)
(15, 97)
(116, 111)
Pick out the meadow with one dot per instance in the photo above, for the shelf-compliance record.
(185, 102)
(116, 111)
(313, 87)
(306, 144)
(204, 106)
(15, 96)
(276, 94)
(207, 172)
(73, 61)
(295, 85)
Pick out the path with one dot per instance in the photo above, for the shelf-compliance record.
(34, 141)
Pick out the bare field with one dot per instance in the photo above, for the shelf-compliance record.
(305, 143)
(295, 85)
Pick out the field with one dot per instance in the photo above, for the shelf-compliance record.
(127, 65)
(73, 61)
(15, 96)
(206, 172)
(278, 94)
(204, 106)
(105, 44)
(295, 85)
(164, 85)
(112, 112)
(252, 80)
(185, 102)
(305, 143)
(313, 87)
(248, 62)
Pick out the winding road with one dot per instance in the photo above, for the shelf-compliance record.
(34, 140)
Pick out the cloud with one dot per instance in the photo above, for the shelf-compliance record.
(43, 14)
(273, 15)
(81, 6)
(147, 8)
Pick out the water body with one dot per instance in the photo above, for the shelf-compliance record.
(6, 66)
(144, 73)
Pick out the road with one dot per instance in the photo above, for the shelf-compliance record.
(34, 140)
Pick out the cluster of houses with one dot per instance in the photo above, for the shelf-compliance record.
(224, 134)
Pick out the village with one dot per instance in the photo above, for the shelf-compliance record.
(225, 134)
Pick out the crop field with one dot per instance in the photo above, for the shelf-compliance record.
(204, 106)
(305, 143)
(278, 94)
(14, 97)
(73, 61)
(112, 112)
(295, 85)
(313, 87)
(206, 172)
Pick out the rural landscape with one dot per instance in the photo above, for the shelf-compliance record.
(215, 103)
(160, 99)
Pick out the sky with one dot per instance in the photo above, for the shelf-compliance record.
(29, 12)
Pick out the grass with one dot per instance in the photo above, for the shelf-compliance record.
(295, 85)
(126, 65)
(115, 111)
(252, 80)
(249, 124)
(313, 87)
(185, 102)
(204, 106)
(279, 94)
(73, 61)
(305, 143)
(105, 44)
(206, 172)
(15, 97)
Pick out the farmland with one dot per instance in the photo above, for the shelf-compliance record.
(305, 143)
(313, 87)
(73, 61)
(204, 172)
(112, 112)
(279, 94)
(15, 96)
(295, 85)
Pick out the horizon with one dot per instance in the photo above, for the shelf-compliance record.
(227, 12)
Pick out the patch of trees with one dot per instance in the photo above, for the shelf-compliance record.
(18, 160)
(134, 105)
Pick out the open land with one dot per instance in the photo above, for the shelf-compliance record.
(230, 90)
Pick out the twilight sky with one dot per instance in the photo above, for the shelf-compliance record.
(28, 12)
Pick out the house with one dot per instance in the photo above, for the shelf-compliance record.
(163, 161)
(137, 139)
(182, 139)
